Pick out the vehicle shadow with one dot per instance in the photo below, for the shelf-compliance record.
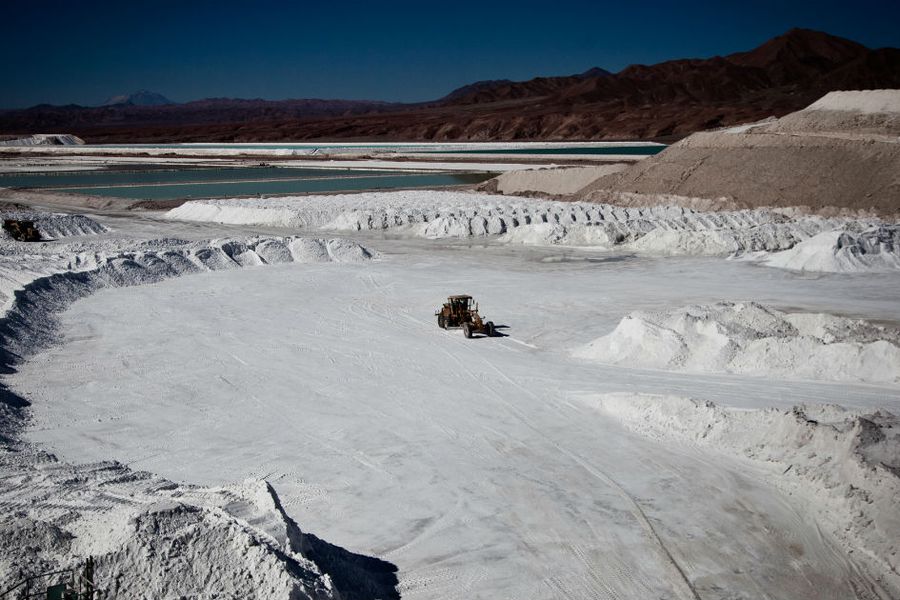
(497, 332)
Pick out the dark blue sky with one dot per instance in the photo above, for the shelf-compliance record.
(79, 51)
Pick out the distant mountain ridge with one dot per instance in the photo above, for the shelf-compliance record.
(804, 60)
(138, 98)
(662, 101)
(505, 89)
(124, 121)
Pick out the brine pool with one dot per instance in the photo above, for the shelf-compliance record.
(169, 184)
(474, 148)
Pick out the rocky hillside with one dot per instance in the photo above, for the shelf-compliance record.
(838, 154)
(663, 101)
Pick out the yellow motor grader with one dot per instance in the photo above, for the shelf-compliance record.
(460, 311)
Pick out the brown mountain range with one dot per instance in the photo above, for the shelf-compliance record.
(663, 101)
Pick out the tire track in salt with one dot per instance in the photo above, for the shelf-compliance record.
(686, 589)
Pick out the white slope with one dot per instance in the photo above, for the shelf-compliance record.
(862, 101)
(465, 462)
(562, 180)
(752, 339)
(845, 463)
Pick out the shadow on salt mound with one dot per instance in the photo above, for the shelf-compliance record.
(213, 258)
(355, 576)
(346, 251)
(309, 250)
(751, 339)
(241, 253)
(273, 252)
(875, 249)
(230, 253)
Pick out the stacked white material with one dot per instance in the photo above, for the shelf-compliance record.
(564, 180)
(845, 464)
(53, 226)
(440, 215)
(46, 139)
(752, 339)
(151, 538)
(875, 249)
(863, 101)
(859, 114)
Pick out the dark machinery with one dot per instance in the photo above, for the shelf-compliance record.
(460, 311)
(23, 231)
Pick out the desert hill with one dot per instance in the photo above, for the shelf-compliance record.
(839, 154)
(663, 101)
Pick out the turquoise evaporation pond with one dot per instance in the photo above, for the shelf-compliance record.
(165, 184)
(592, 150)
(626, 150)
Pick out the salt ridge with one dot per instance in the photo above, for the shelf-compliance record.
(441, 215)
(863, 244)
(752, 339)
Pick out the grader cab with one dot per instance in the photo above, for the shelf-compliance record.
(461, 311)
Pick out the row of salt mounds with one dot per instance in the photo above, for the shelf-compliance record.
(752, 339)
(845, 464)
(440, 215)
(54, 226)
(45, 139)
(875, 249)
